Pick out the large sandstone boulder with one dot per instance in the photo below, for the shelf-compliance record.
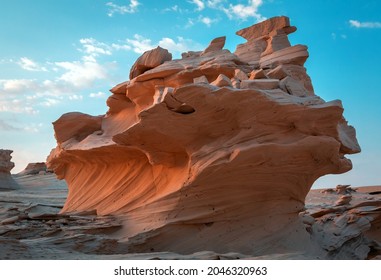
(148, 60)
(197, 156)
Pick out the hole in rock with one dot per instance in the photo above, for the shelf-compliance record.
(184, 109)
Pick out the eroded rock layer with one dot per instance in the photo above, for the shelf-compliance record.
(215, 151)
(6, 165)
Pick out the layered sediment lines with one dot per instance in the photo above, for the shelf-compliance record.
(215, 151)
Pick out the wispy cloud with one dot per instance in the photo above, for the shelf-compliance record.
(75, 97)
(26, 96)
(179, 46)
(50, 102)
(15, 86)
(98, 94)
(5, 126)
(140, 44)
(175, 9)
(117, 9)
(243, 12)
(93, 47)
(340, 36)
(31, 127)
(29, 65)
(81, 74)
(213, 3)
(17, 106)
(68, 79)
(201, 19)
(200, 5)
(120, 46)
(207, 20)
(366, 24)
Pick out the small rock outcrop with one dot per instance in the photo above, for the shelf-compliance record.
(35, 168)
(149, 60)
(215, 151)
(6, 180)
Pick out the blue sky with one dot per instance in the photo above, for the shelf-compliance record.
(64, 55)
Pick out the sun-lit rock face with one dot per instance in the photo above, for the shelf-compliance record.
(6, 165)
(215, 151)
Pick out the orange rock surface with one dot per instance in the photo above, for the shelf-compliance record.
(196, 156)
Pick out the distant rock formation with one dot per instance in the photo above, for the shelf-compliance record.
(6, 180)
(215, 151)
(35, 168)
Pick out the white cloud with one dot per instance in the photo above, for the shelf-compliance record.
(201, 19)
(233, 11)
(81, 74)
(174, 8)
(25, 96)
(75, 97)
(358, 24)
(182, 45)
(94, 48)
(243, 12)
(213, 3)
(49, 102)
(121, 47)
(35, 128)
(116, 9)
(30, 65)
(16, 86)
(207, 20)
(98, 94)
(140, 44)
(199, 3)
(69, 78)
(17, 106)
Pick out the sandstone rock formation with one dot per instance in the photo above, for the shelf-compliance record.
(345, 222)
(215, 151)
(34, 168)
(6, 180)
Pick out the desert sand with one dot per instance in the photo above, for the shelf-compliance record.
(211, 156)
(31, 227)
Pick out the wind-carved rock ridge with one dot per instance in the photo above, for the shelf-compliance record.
(215, 151)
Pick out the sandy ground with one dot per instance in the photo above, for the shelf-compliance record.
(32, 228)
